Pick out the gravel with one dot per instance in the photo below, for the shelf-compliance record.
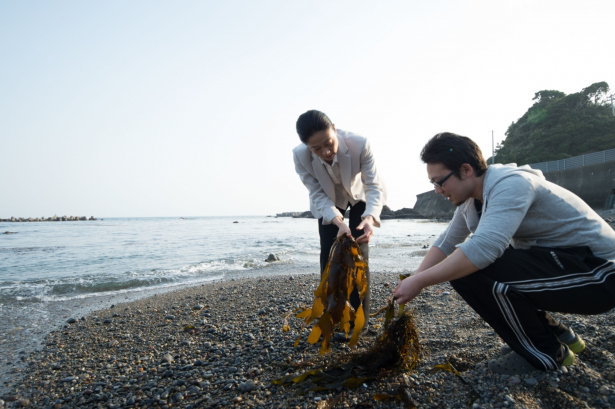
(138, 354)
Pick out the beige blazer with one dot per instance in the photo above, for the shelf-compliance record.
(359, 177)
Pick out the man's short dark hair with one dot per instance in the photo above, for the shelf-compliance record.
(311, 122)
(452, 151)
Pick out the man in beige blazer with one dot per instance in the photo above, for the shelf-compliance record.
(338, 169)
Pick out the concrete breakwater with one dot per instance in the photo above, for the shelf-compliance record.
(55, 218)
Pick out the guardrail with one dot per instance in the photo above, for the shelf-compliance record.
(575, 162)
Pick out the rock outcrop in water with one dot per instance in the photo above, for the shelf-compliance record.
(55, 218)
(296, 215)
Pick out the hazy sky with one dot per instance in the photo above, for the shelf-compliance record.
(188, 108)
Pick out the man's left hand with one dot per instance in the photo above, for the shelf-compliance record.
(367, 225)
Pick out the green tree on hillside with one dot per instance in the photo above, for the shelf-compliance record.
(560, 126)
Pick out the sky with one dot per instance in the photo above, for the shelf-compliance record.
(160, 108)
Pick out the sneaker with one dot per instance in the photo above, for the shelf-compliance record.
(515, 364)
(574, 342)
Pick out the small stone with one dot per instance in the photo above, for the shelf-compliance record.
(167, 358)
(69, 379)
(509, 399)
(24, 403)
(247, 386)
(514, 380)
(531, 381)
(169, 317)
(71, 320)
(604, 390)
(237, 399)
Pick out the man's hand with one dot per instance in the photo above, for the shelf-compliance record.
(367, 225)
(407, 289)
(343, 227)
(455, 266)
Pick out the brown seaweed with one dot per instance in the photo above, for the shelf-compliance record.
(396, 350)
(331, 309)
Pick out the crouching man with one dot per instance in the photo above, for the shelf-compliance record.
(535, 247)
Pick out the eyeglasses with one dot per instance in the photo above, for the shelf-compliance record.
(439, 183)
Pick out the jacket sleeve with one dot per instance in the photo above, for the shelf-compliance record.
(375, 191)
(456, 232)
(318, 197)
(506, 206)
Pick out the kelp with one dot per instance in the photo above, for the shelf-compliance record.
(331, 309)
(396, 350)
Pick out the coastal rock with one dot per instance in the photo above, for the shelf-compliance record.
(272, 257)
(404, 213)
(296, 215)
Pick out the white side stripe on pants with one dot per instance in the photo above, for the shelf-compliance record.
(596, 276)
(499, 293)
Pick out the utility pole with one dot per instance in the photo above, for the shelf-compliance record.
(492, 149)
(612, 106)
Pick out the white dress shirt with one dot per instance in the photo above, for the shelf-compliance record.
(342, 196)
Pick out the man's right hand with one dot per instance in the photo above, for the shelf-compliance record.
(343, 227)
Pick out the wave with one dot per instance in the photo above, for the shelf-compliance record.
(66, 288)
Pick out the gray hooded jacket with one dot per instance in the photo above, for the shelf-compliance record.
(523, 209)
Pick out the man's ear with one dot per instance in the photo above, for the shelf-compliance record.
(467, 170)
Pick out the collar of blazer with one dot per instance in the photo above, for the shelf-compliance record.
(343, 157)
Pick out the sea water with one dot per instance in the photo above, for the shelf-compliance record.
(50, 271)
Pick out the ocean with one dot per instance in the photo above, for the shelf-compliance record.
(51, 271)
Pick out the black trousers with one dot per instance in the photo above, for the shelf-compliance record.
(514, 293)
(328, 234)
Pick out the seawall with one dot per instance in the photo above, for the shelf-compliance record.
(594, 184)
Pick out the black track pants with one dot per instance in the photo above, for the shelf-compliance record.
(328, 234)
(514, 293)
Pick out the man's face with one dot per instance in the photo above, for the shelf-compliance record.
(454, 189)
(324, 144)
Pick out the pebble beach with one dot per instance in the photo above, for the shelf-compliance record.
(222, 344)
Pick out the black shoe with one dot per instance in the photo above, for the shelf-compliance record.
(341, 337)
